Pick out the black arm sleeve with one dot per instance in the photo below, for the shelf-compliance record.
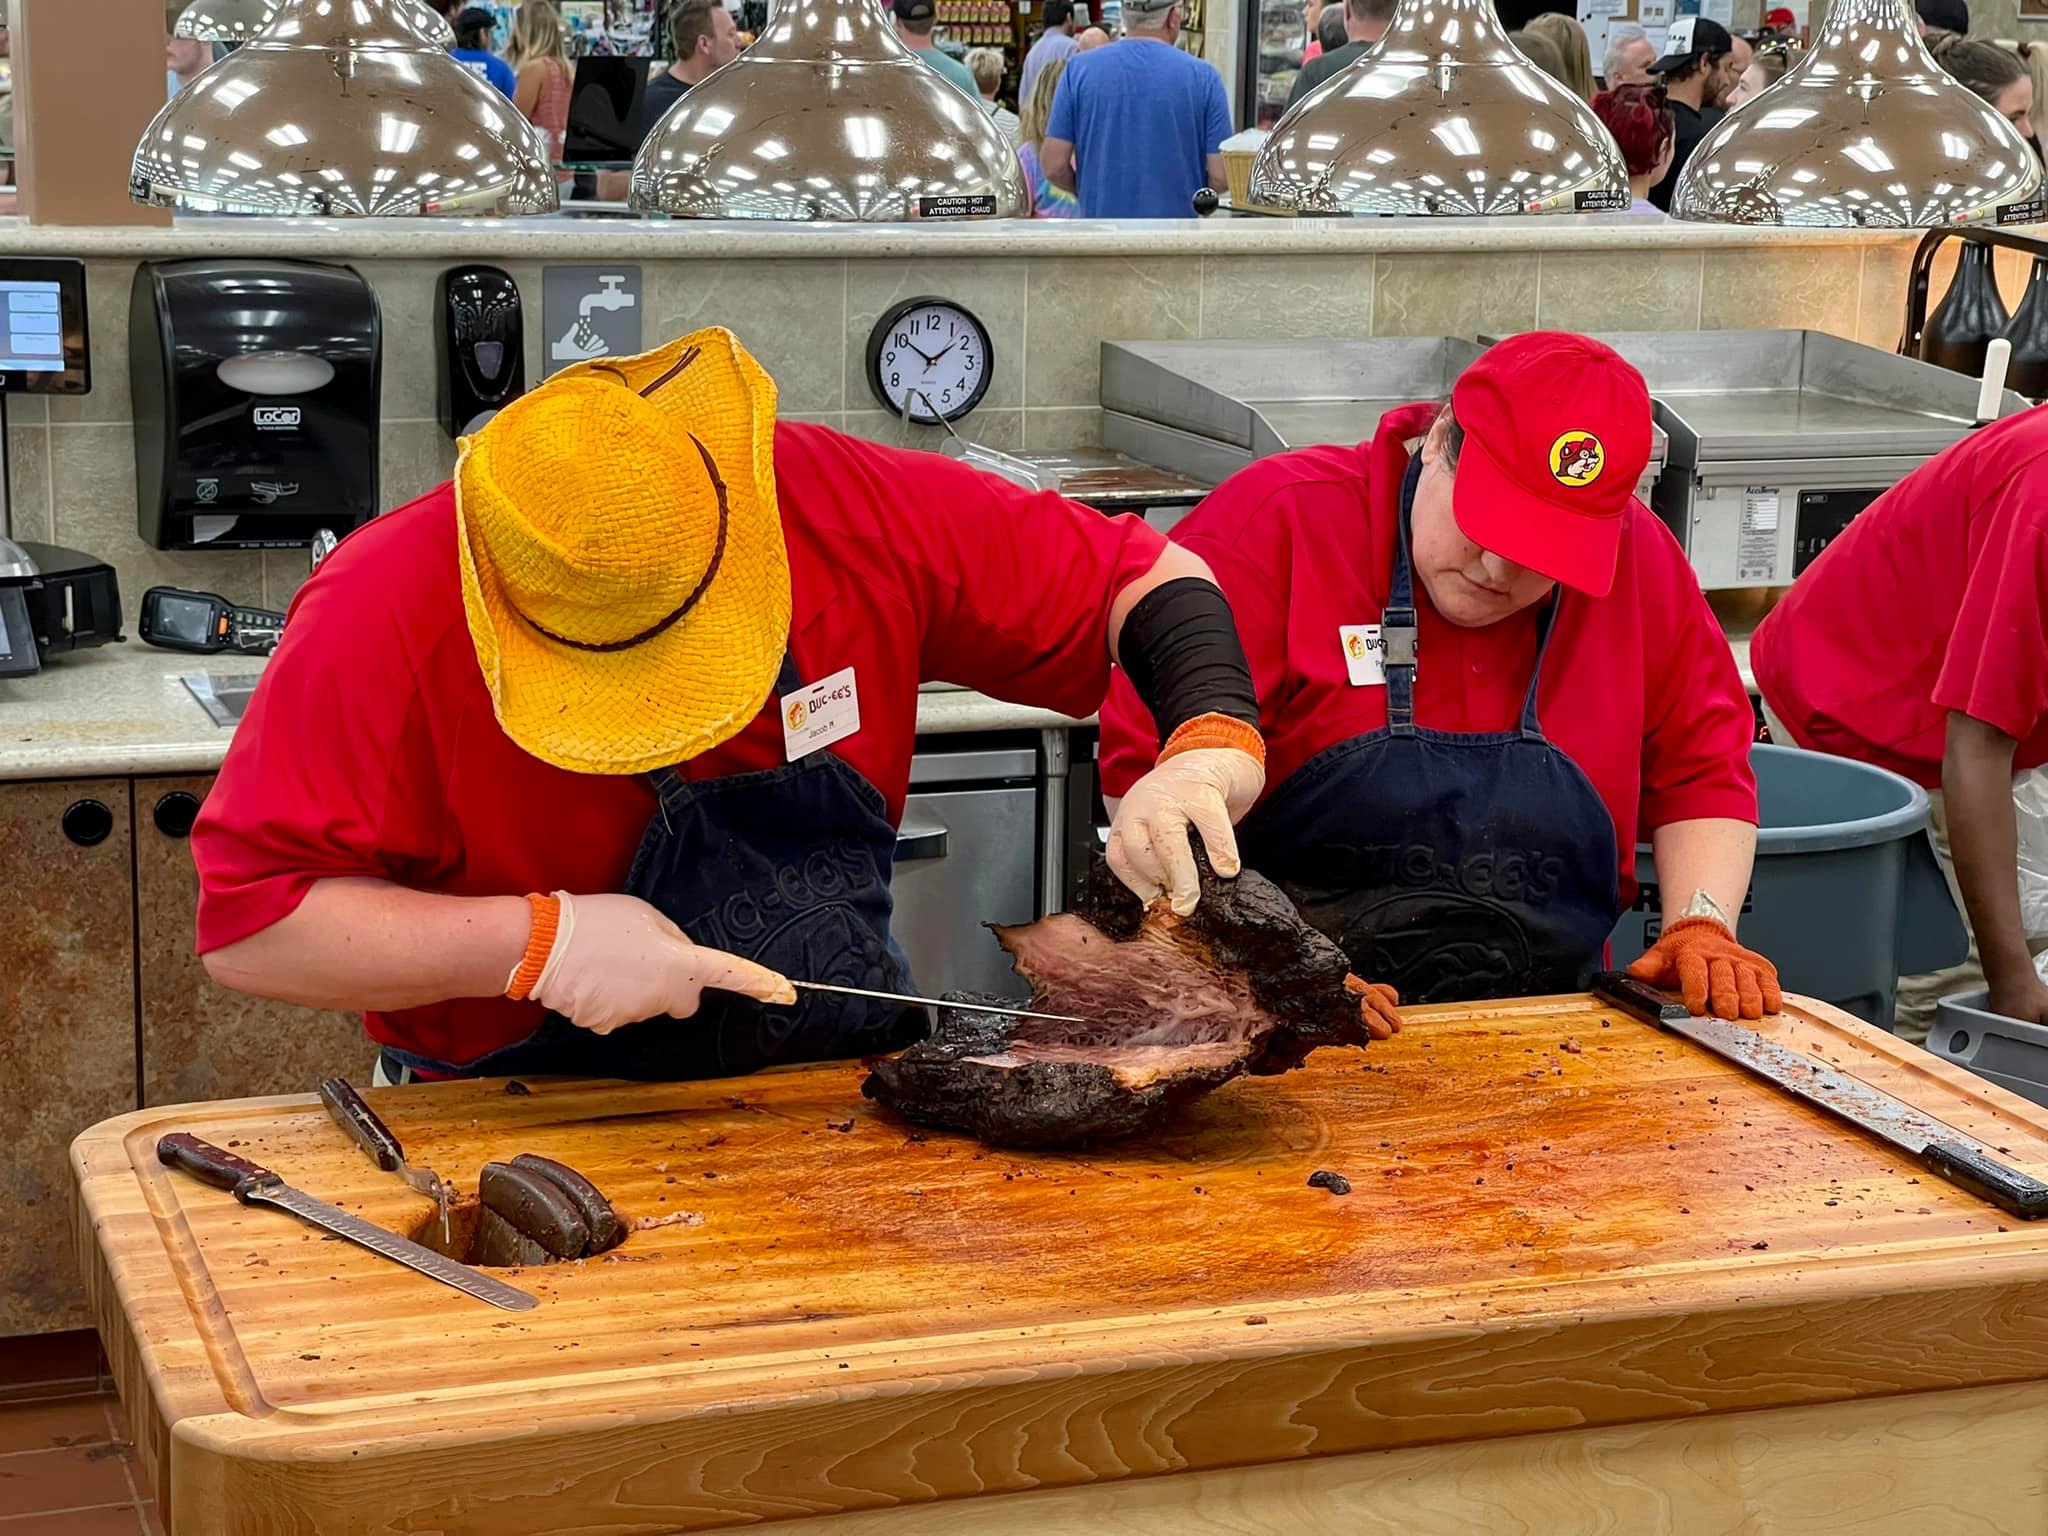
(1179, 647)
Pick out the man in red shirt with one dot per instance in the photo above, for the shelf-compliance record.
(1484, 670)
(1918, 642)
(617, 727)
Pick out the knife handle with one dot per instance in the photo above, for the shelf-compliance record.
(212, 1165)
(1986, 1177)
(1637, 997)
(361, 1122)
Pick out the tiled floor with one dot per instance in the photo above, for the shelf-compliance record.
(66, 1469)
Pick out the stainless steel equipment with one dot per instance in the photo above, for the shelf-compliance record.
(828, 116)
(1779, 438)
(1865, 131)
(1208, 408)
(344, 109)
(967, 854)
(1101, 478)
(1443, 115)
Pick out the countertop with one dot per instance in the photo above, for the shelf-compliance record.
(121, 710)
(579, 239)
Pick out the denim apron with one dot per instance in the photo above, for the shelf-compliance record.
(1450, 865)
(788, 867)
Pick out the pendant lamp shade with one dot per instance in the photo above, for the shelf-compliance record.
(1865, 131)
(1443, 115)
(828, 116)
(224, 21)
(344, 107)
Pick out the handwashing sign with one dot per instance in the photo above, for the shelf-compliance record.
(589, 312)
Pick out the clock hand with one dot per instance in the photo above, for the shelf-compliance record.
(949, 346)
(928, 358)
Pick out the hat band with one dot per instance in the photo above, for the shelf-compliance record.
(662, 625)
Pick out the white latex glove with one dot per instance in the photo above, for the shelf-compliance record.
(1210, 788)
(617, 961)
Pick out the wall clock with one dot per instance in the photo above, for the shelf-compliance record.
(932, 357)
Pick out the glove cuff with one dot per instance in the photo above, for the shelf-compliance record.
(1688, 924)
(1215, 730)
(540, 943)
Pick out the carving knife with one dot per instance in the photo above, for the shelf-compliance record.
(254, 1185)
(353, 1115)
(1938, 1147)
(935, 1002)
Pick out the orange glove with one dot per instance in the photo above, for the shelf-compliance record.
(1378, 1007)
(1703, 961)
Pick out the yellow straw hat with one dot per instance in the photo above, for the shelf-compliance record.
(623, 568)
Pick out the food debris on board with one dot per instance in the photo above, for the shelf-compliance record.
(1335, 1183)
(672, 1219)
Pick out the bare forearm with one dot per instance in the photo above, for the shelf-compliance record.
(371, 945)
(1056, 159)
(1983, 837)
(1711, 854)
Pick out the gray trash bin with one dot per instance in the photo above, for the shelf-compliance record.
(1847, 896)
(2004, 1051)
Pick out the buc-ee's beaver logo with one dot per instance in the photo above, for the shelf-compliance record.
(1354, 647)
(798, 713)
(1577, 458)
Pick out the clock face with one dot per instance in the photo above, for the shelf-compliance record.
(931, 356)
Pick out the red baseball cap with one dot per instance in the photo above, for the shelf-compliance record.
(1557, 431)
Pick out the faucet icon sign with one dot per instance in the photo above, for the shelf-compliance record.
(582, 341)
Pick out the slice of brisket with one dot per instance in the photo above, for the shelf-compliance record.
(1175, 1006)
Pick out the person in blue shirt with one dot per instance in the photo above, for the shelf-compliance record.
(473, 30)
(1145, 120)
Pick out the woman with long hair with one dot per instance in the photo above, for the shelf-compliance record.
(1995, 74)
(539, 57)
(1048, 201)
(1572, 47)
(1646, 131)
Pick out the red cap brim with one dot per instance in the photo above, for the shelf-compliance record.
(1499, 515)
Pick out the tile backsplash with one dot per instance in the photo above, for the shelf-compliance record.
(807, 320)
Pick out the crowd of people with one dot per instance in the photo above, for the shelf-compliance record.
(1147, 119)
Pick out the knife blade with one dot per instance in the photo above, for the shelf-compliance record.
(354, 1115)
(253, 1184)
(935, 1002)
(1936, 1145)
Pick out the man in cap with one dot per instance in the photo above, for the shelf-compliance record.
(914, 19)
(1459, 830)
(617, 727)
(1146, 120)
(1698, 72)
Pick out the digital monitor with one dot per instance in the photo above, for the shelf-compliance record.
(43, 344)
(604, 109)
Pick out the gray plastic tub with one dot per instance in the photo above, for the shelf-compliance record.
(2000, 1050)
(1847, 896)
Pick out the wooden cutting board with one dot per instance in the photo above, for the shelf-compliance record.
(1560, 1218)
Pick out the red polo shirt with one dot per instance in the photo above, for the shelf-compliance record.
(1639, 687)
(1934, 599)
(371, 748)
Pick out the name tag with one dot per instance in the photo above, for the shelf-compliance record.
(819, 715)
(1365, 654)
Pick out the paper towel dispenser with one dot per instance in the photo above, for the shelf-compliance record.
(256, 402)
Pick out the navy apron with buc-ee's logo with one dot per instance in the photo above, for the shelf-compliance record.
(1449, 865)
(788, 867)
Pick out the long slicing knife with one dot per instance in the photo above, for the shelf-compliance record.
(255, 1185)
(1940, 1148)
(936, 1002)
(363, 1123)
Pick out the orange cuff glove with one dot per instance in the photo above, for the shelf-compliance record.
(1378, 1007)
(1701, 960)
